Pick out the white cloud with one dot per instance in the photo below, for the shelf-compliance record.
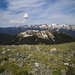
(26, 15)
(19, 4)
(36, 13)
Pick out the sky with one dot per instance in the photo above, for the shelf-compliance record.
(30, 12)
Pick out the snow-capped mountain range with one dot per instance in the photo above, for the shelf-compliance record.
(70, 29)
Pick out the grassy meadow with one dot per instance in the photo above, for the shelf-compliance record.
(57, 59)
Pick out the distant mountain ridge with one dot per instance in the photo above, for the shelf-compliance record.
(36, 37)
(69, 29)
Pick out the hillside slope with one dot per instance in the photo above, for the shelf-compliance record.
(39, 37)
(6, 38)
(36, 37)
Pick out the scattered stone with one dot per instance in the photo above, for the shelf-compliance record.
(20, 62)
(66, 64)
(8, 49)
(37, 64)
(53, 50)
(3, 52)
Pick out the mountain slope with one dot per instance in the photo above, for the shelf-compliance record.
(6, 38)
(36, 37)
(39, 37)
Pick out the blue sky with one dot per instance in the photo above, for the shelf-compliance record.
(37, 12)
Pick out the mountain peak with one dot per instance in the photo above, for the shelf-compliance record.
(43, 36)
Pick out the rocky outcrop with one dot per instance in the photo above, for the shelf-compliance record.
(44, 36)
(39, 34)
(36, 37)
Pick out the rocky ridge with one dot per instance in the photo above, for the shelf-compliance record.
(44, 36)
